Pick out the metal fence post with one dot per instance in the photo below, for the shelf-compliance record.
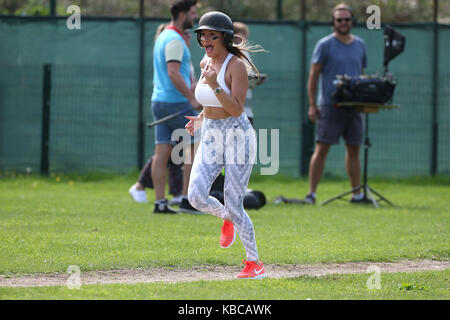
(45, 137)
(53, 8)
(435, 81)
(279, 10)
(307, 128)
(140, 120)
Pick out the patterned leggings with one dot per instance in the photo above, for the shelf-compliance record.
(229, 143)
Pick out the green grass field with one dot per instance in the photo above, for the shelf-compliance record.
(47, 224)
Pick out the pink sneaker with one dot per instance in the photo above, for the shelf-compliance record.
(252, 271)
(228, 234)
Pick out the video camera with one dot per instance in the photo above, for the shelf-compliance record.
(375, 89)
(372, 88)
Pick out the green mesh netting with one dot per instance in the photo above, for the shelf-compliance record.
(95, 96)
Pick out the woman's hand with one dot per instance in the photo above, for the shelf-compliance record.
(194, 124)
(210, 76)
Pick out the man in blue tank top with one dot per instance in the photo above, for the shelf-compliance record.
(336, 54)
(171, 94)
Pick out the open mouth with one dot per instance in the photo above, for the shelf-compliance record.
(209, 49)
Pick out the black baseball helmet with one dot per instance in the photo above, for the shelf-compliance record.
(216, 21)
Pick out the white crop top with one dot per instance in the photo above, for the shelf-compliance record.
(203, 92)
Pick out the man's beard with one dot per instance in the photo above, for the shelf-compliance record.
(342, 33)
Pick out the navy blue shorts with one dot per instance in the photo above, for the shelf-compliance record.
(163, 131)
(336, 122)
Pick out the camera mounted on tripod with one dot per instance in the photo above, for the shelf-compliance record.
(372, 88)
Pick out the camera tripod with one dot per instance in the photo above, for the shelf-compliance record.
(368, 192)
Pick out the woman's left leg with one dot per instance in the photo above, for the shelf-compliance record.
(239, 158)
(236, 182)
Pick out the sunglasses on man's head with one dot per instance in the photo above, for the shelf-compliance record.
(343, 19)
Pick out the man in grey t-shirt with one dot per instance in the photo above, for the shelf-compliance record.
(337, 54)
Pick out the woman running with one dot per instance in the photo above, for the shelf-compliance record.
(227, 137)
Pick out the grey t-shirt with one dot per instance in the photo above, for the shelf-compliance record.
(337, 58)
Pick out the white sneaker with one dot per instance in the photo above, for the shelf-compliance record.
(138, 195)
(175, 201)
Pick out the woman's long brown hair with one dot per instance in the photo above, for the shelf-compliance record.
(239, 49)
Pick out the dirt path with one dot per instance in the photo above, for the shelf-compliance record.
(131, 276)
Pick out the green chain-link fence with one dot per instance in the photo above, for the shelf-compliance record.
(94, 102)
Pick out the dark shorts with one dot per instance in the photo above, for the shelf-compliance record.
(163, 131)
(334, 123)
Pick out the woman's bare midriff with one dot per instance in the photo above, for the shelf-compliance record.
(215, 113)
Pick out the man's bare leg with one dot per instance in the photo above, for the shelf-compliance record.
(159, 169)
(317, 165)
(353, 166)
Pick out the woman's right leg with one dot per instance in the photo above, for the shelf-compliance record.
(203, 175)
